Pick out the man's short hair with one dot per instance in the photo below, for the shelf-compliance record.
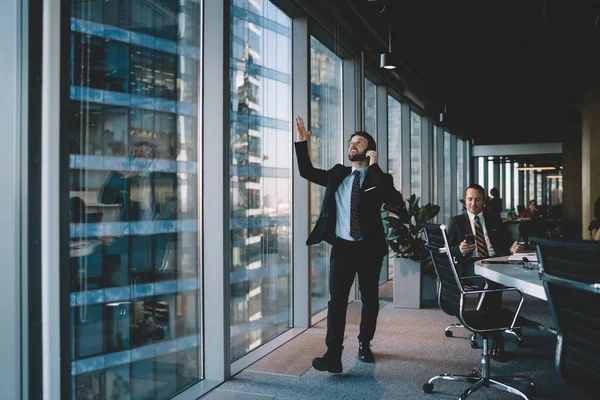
(371, 142)
(477, 187)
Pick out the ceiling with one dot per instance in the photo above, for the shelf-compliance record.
(506, 71)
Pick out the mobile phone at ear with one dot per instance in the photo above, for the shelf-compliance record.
(470, 238)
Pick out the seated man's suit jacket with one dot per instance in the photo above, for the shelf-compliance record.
(496, 230)
(377, 188)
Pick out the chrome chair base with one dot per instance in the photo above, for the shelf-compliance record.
(481, 378)
(479, 382)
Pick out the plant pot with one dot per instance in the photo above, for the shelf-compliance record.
(407, 283)
(411, 288)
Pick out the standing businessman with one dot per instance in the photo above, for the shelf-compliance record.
(350, 220)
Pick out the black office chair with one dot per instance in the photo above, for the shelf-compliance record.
(487, 323)
(570, 271)
(435, 241)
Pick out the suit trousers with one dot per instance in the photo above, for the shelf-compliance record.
(348, 259)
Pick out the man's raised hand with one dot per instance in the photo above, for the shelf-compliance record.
(301, 130)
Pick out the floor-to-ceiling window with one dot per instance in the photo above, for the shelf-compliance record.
(371, 108)
(448, 192)
(394, 108)
(531, 187)
(325, 151)
(490, 176)
(482, 177)
(516, 192)
(135, 295)
(460, 173)
(415, 153)
(435, 168)
(259, 175)
(538, 188)
(508, 195)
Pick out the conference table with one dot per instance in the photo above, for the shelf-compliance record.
(511, 273)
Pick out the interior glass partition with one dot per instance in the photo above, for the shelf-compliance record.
(325, 151)
(135, 281)
(260, 175)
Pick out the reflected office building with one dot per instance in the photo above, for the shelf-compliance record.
(135, 287)
(260, 174)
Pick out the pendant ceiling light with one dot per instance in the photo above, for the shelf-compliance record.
(386, 58)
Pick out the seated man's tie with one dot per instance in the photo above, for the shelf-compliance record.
(482, 250)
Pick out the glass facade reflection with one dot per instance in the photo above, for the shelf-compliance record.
(371, 108)
(260, 174)
(325, 151)
(134, 223)
(415, 153)
(394, 109)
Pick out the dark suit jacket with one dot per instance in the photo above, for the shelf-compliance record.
(497, 232)
(377, 188)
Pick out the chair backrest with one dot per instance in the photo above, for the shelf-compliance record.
(570, 271)
(450, 287)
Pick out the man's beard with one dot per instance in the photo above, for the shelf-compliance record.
(358, 156)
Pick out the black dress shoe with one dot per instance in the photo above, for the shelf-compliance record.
(329, 362)
(364, 352)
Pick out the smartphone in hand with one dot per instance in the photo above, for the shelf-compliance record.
(470, 238)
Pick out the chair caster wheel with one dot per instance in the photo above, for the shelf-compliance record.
(428, 387)
(474, 344)
(474, 374)
(448, 333)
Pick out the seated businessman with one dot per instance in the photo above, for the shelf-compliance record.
(350, 220)
(491, 239)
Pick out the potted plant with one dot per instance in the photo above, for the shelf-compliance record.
(413, 265)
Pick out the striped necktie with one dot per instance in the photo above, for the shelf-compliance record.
(482, 251)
